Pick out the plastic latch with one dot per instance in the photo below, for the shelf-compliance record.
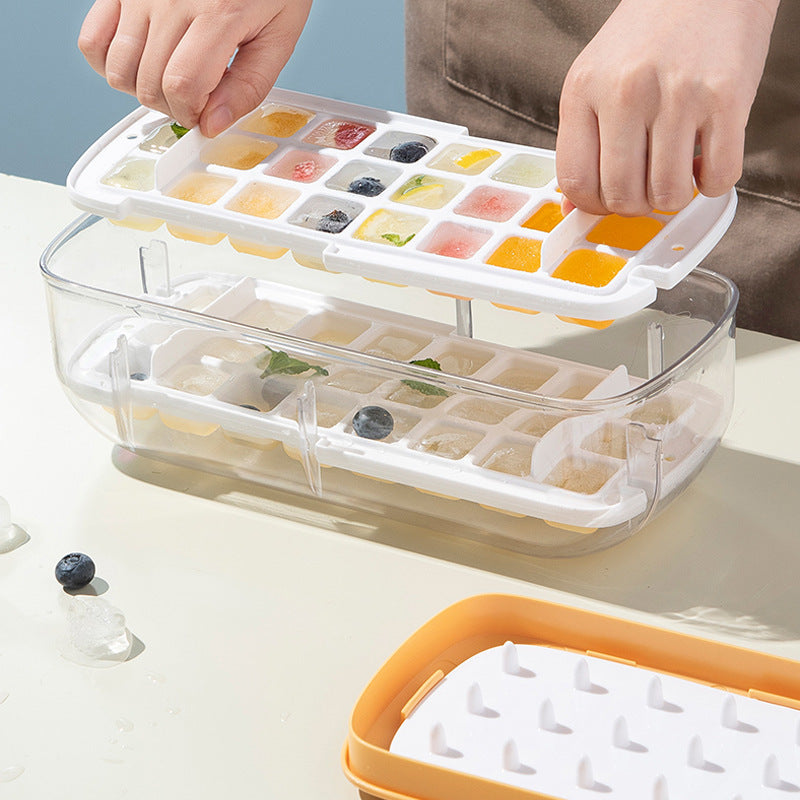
(121, 401)
(417, 697)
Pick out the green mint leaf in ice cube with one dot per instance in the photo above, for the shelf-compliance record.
(395, 239)
(430, 363)
(413, 184)
(427, 388)
(178, 129)
(281, 363)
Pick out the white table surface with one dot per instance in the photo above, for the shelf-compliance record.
(258, 628)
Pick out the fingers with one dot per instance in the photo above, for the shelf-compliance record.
(672, 142)
(623, 164)
(125, 50)
(97, 32)
(196, 67)
(719, 164)
(253, 72)
(164, 36)
(244, 85)
(578, 154)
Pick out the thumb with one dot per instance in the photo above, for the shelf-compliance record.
(246, 82)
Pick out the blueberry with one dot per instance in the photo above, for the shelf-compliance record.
(373, 422)
(75, 570)
(369, 187)
(138, 376)
(333, 222)
(408, 152)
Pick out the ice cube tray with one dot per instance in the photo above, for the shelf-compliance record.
(568, 468)
(395, 198)
(581, 706)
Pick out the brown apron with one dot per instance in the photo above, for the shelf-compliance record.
(497, 66)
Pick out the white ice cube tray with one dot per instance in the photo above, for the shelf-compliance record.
(573, 726)
(555, 448)
(682, 242)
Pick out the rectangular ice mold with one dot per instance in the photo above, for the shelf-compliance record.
(395, 198)
(502, 697)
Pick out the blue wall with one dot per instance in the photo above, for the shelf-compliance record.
(54, 105)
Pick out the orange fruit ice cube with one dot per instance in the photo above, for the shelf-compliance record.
(589, 267)
(544, 218)
(517, 252)
(277, 121)
(627, 233)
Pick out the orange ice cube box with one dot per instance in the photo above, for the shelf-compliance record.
(396, 198)
(511, 698)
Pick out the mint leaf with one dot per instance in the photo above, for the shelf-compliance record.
(427, 388)
(430, 363)
(178, 129)
(413, 184)
(281, 363)
(395, 239)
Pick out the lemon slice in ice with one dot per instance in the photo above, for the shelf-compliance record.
(428, 195)
(475, 157)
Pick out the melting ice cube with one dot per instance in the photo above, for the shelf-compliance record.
(96, 632)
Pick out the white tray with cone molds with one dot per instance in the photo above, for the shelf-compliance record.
(583, 706)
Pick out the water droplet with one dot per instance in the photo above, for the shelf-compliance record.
(9, 774)
(155, 677)
(124, 725)
(285, 716)
(173, 711)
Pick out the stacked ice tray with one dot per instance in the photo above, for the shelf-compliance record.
(394, 198)
(567, 725)
(479, 445)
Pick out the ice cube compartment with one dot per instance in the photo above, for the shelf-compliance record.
(455, 214)
(446, 440)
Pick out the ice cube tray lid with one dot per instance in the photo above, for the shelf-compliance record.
(502, 697)
(396, 198)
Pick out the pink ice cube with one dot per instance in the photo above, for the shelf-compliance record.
(456, 241)
(487, 202)
(301, 165)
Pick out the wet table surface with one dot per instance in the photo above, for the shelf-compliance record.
(258, 620)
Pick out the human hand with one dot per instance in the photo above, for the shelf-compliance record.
(173, 55)
(660, 78)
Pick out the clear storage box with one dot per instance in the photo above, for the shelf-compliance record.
(513, 428)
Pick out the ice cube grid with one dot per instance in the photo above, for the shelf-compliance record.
(558, 448)
(682, 240)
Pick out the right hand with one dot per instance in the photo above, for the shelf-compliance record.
(173, 55)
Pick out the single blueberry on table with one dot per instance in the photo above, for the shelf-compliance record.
(367, 186)
(138, 376)
(373, 422)
(75, 571)
(408, 152)
(333, 222)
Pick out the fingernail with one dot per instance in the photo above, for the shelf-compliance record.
(218, 120)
